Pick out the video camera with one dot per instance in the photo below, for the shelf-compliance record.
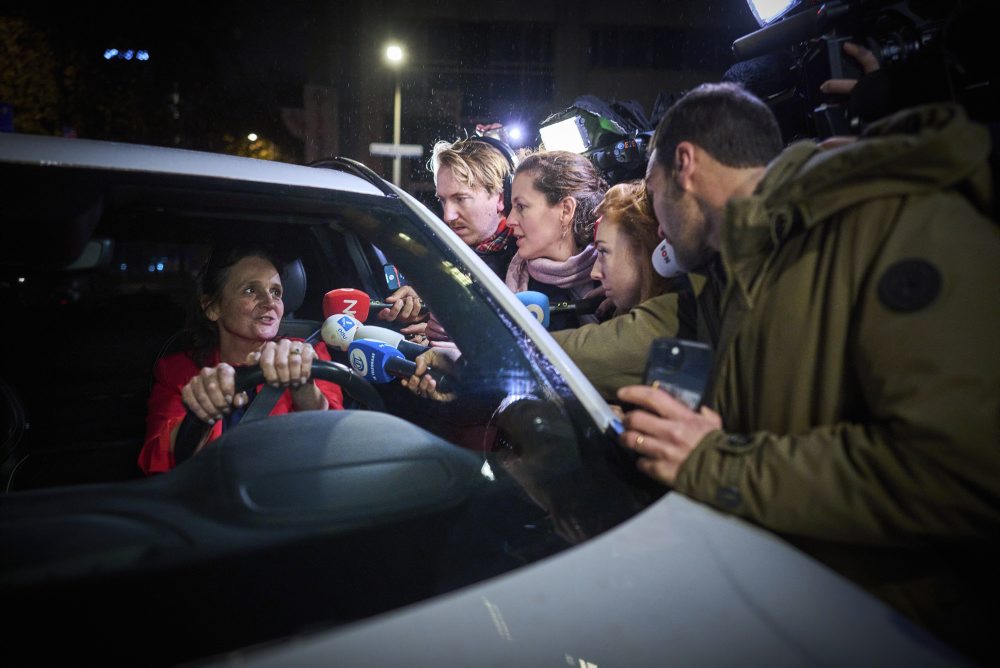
(615, 136)
(800, 45)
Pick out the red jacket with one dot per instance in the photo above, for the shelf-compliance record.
(166, 410)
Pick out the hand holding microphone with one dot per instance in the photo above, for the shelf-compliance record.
(425, 380)
(359, 305)
(405, 307)
(381, 363)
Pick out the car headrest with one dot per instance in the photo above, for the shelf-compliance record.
(293, 283)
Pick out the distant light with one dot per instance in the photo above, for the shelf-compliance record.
(151, 268)
(159, 266)
(394, 54)
(252, 136)
(128, 54)
(515, 133)
(123, 267)
(20, 279)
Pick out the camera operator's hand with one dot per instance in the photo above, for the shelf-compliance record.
(866, 59)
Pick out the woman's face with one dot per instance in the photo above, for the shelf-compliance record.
(250, 306)
(541, 229)
(617, 267)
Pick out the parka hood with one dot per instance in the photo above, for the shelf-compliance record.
(924, 149)
(920, 150)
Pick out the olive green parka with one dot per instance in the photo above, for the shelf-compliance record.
(858, 366)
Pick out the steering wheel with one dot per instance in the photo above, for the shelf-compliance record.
(192, 429)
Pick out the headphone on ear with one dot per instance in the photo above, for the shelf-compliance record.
(511, 157)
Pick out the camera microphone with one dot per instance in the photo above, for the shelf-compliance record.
(789, 30)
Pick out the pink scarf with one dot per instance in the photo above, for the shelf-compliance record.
(572, 274)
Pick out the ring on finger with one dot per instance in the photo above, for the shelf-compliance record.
(295, 351)
(638, 440)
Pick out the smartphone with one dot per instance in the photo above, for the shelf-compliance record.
(680, 367)
(393, 278)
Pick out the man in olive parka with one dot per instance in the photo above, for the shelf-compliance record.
(857, 380)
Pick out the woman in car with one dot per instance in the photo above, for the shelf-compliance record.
(234, 321)
(552, 219)
(625, 236)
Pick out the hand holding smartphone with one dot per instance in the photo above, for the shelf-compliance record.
(681, 368)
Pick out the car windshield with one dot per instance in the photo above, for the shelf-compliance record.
(515, 467)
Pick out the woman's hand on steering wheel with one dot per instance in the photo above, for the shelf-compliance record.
(285, 363)
(210, 395)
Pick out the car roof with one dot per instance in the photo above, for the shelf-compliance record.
(41, 150)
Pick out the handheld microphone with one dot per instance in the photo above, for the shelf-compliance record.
(395, 339)
(340, 329)
(537, 304)
(380, 363)
(665, 261)
(354, 302)
(351, 301)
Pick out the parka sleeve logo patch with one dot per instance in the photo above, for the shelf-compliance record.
(909, 285)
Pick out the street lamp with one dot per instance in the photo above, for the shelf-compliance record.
(394, 54)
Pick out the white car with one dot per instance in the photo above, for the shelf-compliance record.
(505, 527)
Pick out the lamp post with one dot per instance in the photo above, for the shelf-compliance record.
(394, 54)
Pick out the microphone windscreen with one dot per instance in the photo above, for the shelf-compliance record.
(537, 304)
(369, 358)
(765, 75)
(665, 262)
(339, 330)
(351, 301)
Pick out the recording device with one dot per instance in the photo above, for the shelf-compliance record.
(394, 279)
(355, 303)
(341, 329)
(680, 367)
(615, 136)
(380, 363)
(624, 159)
(800, 45)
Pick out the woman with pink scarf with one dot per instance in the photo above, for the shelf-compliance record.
(552, 219)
